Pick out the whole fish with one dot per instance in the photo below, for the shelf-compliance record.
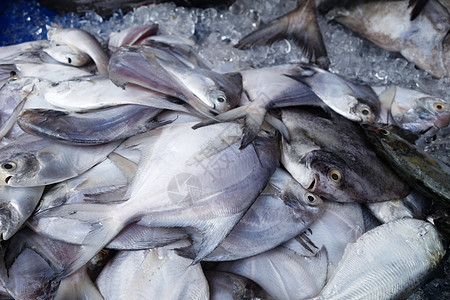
(412, 110)
(327, 155)
(81, 41)
(33, 161)
(415, 249)
(90, 127)
(286, 272)
(151, 274)
(199, 170)
(282, 211)
(16, 206)
(424, 173)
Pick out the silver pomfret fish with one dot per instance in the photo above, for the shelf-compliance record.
(415, 249)
(33, 161)
(200, 169)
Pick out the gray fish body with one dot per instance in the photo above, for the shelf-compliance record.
(33, 161)
(282, 211)
(91, 127)
(328, 156)
(415, 249)
(147, 274)
(423, 41)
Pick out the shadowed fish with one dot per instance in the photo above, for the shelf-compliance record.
(282, 211)
(426, 174)
(327, 155)
(93, 126)
(415, 249)
(200, 170)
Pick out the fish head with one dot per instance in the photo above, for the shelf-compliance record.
(307, 206)
(18, 167)
(426, 112)
(346, 177)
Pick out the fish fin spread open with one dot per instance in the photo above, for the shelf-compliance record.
(91, 225)
(299, 25)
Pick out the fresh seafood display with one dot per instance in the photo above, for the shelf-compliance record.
(153, 158)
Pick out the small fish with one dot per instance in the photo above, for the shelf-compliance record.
(147, 274)
(282, 211)
(413, 111)
(90, 127)
(33, 161)
(80, 41)
(424, 173)
(415, 249)
(327, 155)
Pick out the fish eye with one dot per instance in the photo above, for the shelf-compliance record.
(10, 165)
(310, 198)
(69, 60)
(220, 99)
(365, 111)
(12, 73)
(438, 106)
(384, 132)
(335, 175)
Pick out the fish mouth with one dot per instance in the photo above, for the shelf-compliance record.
(7, 179)
(313, 184)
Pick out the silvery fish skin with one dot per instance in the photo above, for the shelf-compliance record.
(184, 195)
(7, 52)
(423, 41)
(90, 127)
(131, 35)
(80, 41)
(229, 286)
(33, 161)
(16, 206)
(90, 93)
(415, 249)
(414, 205)
(282, 211)
(413, 110)
(51, 72)
(286, 272)
(340, 224)
(78, 286)
(424, 173)
(327, 155)
(146, 274)
(31, 265)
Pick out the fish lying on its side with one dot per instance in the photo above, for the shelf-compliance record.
(415, 249)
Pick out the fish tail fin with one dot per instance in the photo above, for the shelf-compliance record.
(90, 225)
(299, 25)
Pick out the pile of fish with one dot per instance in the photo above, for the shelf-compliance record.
(140, 172)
